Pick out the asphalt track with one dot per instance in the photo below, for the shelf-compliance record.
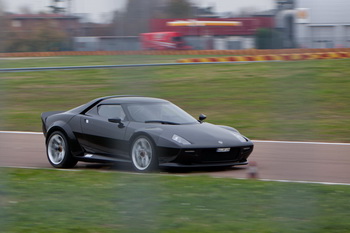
(292, 161)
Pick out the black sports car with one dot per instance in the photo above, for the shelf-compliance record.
(148, 132)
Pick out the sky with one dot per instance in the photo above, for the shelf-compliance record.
(99, 10)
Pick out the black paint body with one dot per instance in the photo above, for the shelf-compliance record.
(95, 138)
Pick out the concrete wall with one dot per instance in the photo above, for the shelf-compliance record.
(107, 43)
(220, 43)
(132, 43)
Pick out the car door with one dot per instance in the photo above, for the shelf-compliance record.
(104, 128)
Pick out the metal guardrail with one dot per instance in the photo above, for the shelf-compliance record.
(248, 52)
(29, 69)
(197, 61)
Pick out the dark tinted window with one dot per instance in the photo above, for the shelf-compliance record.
(159, 112)
(111, 111)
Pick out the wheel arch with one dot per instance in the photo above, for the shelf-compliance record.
(142, 133)
(74, 145)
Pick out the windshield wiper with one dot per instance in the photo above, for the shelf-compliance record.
(163, 122)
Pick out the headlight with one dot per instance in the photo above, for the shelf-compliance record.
(239, 137)
(180, 140)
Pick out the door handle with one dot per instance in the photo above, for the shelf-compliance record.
(86, 121)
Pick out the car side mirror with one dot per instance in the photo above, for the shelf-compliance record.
(118, 121)
(202, 117)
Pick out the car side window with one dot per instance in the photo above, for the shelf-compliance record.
(111, 111)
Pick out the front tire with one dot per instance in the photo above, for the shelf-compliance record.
(143, 154)
(58, 151)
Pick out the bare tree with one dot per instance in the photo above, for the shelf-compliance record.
(43, 37)
(136, 18)
(56, 8)
(179, 9)
(2, 25)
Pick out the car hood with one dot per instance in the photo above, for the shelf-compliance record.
(205, 135)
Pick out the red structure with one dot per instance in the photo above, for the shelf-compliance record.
(249, 25)
(162, 41)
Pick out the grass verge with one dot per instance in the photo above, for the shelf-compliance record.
(302, 100)
(306, 100)
(91, 201)
(24, 62)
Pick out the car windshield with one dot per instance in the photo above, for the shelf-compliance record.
(165, 113)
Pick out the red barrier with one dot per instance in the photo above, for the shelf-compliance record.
(271, 57)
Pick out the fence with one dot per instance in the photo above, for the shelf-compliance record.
(111, 43)
(176, 52)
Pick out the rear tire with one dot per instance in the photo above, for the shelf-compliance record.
(143, 154)
(58, 151)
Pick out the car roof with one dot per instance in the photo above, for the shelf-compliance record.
(132, 100)
(116, 99)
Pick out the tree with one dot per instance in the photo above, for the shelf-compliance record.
(136, 18)
(179, 9)
(118, 23)
(2, 26)
(55, 8)
(266, 38)
(46, 38)
(43, 38)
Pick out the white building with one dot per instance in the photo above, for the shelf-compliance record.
(314, 23)
(322, 23)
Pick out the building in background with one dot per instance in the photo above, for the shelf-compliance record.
(314, 23)
(322, 24)
(195, 37)
(292, 24)
(217, 37)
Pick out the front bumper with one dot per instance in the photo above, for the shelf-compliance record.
(206, 157)
(179, 165)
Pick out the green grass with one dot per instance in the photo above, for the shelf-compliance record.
(21, 62)
(91, 201)
(305, 100)
(301, 100)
